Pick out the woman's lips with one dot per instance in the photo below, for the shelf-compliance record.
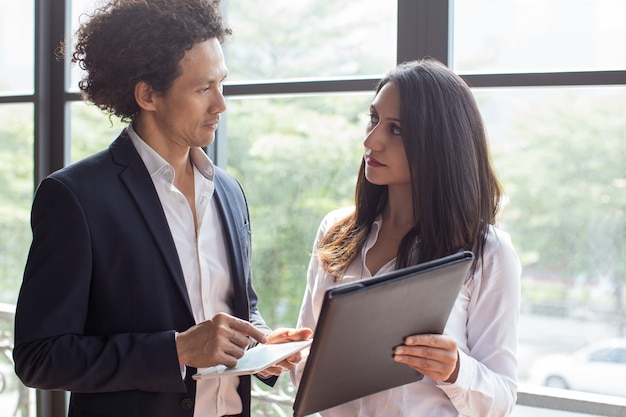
(373, 162)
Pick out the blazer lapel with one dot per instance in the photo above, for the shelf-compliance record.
(141, 188)
(229, 208)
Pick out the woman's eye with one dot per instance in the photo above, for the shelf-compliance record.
(396, 130)
(373, 119)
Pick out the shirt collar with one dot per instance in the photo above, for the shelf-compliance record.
(202, 162)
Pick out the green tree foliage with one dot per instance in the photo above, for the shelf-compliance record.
(309, 38)
(297, 159)
(91, 130)
(564, 170)
(16, 192)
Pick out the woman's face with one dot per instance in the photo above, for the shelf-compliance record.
(385, 158)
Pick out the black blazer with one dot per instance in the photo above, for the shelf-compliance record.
(104, 292)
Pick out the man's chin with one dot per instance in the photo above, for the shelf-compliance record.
(207, 141)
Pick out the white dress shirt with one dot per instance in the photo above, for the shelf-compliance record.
(484, 321)
(202, 256)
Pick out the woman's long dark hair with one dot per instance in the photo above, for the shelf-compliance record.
(455, 191)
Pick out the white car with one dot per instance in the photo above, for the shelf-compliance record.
(599, 368)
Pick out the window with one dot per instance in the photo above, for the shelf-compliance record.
(560, 156)
(493, 36)
(16, 188)
(309, 39)
(605, 355)
(18, 68)
(16, 182)
(297, 158)
(550, 80)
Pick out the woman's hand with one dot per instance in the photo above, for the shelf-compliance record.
(435, 356)
(281, 336)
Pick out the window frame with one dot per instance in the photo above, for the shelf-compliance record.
(423, 29)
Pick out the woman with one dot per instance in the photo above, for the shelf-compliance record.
(426, 189)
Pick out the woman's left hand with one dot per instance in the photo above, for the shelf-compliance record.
(283, 335)
(435, 356)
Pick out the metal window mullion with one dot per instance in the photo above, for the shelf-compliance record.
(49, 88)
(49, 120)
(424, 30)
(547, 79)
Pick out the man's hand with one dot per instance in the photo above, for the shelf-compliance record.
(219, 341)
(281, 336)
(435, 356)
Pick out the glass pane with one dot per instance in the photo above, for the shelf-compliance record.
(16, 195)
(538, 35)
(338, 41)
(561, 155)
(91, 130)
(301, 39)
(17, 47)
(297, 158)
(78, 8)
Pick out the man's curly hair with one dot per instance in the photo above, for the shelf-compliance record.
(128, 41)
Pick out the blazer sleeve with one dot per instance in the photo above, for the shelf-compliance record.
(55, 348)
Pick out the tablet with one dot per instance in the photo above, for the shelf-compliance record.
(360, 323)
(255, 360)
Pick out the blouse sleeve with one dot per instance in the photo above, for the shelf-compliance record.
(487, 381)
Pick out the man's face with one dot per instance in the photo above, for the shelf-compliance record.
(188, 114)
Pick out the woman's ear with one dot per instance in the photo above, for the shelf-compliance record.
(145, 96)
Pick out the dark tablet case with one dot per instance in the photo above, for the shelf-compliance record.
(361, 322)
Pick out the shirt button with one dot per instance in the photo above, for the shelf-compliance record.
(186, 404)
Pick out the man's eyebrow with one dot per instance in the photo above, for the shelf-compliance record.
(212, 80)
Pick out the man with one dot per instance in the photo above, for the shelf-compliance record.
(139, 270)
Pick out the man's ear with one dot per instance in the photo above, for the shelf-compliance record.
(145, 96)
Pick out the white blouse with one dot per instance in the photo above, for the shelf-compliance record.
(484, 322)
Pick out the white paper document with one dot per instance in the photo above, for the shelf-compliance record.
(255, 360)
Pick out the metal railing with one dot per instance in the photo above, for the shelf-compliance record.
(278, 401)
(9, 383)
